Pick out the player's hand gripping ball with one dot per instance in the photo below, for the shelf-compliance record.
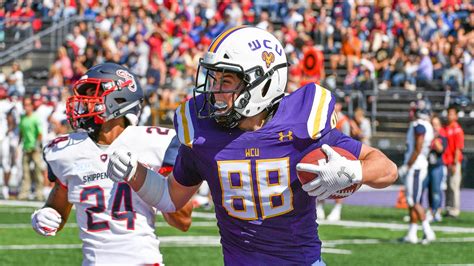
(339, 171)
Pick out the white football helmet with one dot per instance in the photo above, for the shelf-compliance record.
(258, 58)
(421, 109)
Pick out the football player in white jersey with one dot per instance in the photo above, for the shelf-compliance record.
(414, 170)
(116, 225)
(8, 153)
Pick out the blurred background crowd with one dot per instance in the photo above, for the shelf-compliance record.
(402, 43)
(361, 47)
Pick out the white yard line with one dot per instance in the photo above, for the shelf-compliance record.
(349, 224)
(335, 251)
(390, 226)
(351, 241)
(395, 226)
(214, 241)
(212, 216)
(35, 204)
(190, 241)
(333, 243)
(456, 239)
(34, 247)
(166, 241)
(72, 225)
(17, 210)
(181, 241)
(207, 215)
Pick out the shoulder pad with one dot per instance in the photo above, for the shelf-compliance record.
(60, 142)
(322, 116)
(183, 122)
(138, 131)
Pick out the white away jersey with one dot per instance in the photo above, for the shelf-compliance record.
(116, 226)
(5, 106)
(416, 127)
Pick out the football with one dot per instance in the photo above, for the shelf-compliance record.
(317, 157)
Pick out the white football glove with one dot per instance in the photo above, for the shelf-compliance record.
(402, 172)
(336, 174)
(122, 166)
(46, 221)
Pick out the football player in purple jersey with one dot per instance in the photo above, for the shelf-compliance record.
(243, 136)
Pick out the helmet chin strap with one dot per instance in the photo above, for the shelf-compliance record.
(230, 120)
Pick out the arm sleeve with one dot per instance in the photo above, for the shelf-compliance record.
(420, 130)
(51, 176)
(171, 152)
(185, 168)
(343, 141)
(460, 139)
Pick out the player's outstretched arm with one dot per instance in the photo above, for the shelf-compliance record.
(378, 171)
(53, 216)
(180, 219)
(166, 194)
(181, 194)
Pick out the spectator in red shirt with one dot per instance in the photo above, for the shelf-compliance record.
(452, 157)
(156, 42)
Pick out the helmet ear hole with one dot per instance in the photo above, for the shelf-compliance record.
(266, 87)
(120, 100)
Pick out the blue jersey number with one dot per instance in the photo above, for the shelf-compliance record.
(123, 194)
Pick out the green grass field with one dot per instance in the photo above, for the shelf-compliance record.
(366, 236)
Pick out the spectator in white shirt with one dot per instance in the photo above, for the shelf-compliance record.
(15, 80)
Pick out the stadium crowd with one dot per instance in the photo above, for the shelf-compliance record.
(367, 44)
(400, 43)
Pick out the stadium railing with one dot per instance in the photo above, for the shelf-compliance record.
(56, 34)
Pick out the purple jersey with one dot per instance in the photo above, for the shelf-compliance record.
(264, 216)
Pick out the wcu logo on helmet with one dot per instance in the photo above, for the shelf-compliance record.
(255, 45)
(268, 57)
(257, 58)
